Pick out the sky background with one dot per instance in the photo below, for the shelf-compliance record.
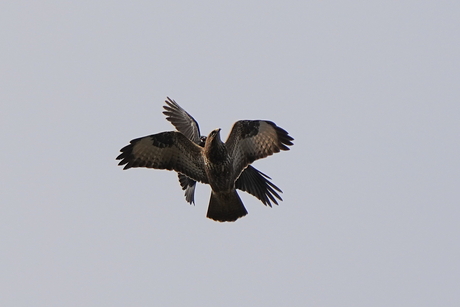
(368, 89)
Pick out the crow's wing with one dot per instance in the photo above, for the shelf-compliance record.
(183, 121)
(188, 185)
(258, 184)
(189, 127)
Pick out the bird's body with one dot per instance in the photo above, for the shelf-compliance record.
(217, 164)
(250, 180)
(225, 204)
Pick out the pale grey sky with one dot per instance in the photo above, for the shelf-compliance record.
(369, 90)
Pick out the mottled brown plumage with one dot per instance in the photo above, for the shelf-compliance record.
(217, 164)
(250, 180)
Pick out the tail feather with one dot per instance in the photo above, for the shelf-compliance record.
(225, 207)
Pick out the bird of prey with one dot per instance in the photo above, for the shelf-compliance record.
(217, 164)
(251, 180)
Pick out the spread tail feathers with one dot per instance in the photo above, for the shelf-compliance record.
(225, 207)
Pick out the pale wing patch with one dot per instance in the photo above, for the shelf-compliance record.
(252, 140)
(167, 150)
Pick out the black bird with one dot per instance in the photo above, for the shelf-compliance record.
(251, 180)
(217, 164)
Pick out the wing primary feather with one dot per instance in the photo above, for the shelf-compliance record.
(166, 150)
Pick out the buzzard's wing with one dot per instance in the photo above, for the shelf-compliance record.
(183, 121)
(258, 184)
(188, 126)
(250, 140)
(167, 150)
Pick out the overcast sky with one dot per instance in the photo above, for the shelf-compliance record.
(368, 89)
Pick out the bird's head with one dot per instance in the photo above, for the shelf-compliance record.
(202, 140)
(213, 138)
(214, 149)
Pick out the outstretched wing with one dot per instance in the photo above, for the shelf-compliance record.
(183, 121)
(188, 185)
(250, 140)
(258, 184)
(188, 126)
(167, 150)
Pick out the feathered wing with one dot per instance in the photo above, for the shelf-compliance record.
(188, 185)
(167, 150)
(250, 140)
(258, 184)
(189, 127)
(183, 121)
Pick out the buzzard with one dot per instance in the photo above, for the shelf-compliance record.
(217, 164)
(251, 180)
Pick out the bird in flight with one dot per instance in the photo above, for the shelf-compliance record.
(217, 163)
(251, 180)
